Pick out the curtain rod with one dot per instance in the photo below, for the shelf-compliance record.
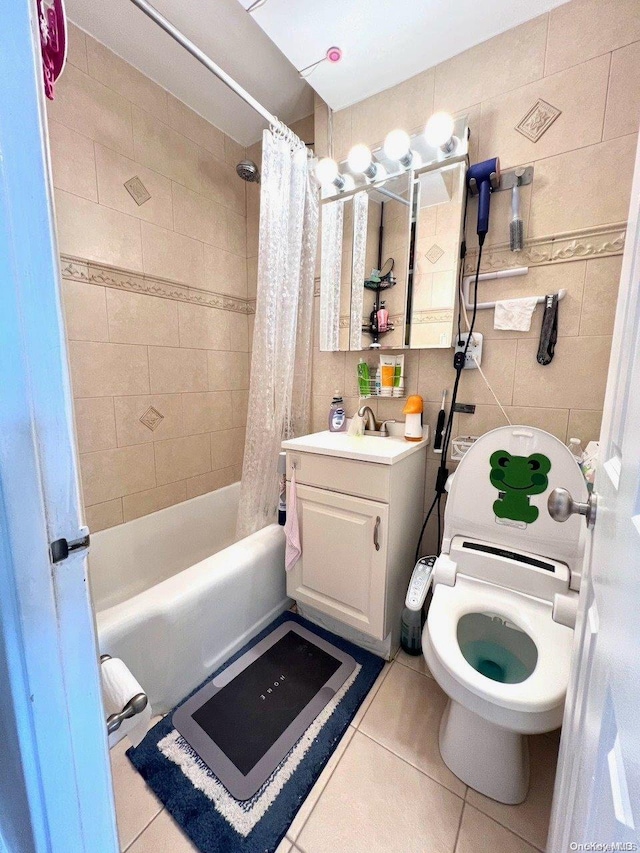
(195, 51)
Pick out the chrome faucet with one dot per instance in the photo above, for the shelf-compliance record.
(370, 422)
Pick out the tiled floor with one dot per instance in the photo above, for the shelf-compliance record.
(384, 790)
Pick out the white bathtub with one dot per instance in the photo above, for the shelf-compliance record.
(175, 594)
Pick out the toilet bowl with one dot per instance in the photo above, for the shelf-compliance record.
(497, 638)
(504, 664)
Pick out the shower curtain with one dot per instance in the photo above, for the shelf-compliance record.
(280, 384)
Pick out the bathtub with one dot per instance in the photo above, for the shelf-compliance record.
(175, 594)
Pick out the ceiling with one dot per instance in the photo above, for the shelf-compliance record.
(383, 42)
(224, 31)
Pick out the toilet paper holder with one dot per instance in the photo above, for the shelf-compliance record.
(134, 706)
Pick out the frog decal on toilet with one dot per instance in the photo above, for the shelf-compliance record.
(517, 478)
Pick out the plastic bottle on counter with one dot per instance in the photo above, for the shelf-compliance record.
(337, 414)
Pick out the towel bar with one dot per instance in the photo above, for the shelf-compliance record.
(488, 276)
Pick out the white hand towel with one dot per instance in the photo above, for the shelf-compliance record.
(514, 314)
(118, 687)
(291, 527)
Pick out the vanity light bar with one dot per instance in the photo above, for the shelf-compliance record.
(440, 141)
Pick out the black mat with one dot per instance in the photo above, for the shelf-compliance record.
(245, 721)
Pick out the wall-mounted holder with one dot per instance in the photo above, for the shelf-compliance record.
(494, 180)
(515, 177)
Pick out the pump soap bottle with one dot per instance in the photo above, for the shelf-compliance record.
(337, 414)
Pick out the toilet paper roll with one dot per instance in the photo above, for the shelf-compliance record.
(119, 686)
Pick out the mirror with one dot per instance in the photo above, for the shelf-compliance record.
(390, 253)
(364, 263)
(439, 209)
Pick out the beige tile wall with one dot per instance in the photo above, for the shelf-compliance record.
(129, 350)
(584, 59)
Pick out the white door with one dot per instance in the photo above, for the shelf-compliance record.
(343, 567)
(597, 795)
(55, 783)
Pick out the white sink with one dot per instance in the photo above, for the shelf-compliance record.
(364, 448)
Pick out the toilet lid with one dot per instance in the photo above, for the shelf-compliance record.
(545, 688)
(499, 495)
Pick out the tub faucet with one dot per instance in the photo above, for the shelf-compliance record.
(370, 422)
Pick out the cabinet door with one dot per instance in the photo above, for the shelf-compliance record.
(342, 571)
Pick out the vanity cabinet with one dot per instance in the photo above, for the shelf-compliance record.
(359, 522)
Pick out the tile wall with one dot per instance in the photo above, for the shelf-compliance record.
(582, 59)
(157, 296)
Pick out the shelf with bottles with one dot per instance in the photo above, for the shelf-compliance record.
(383, 379)
(371, 388)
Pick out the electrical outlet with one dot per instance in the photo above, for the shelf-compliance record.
(475, 350)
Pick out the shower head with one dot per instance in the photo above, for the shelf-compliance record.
(248, 171)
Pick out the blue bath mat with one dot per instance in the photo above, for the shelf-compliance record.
(202, 806)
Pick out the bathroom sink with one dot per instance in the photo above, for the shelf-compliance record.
(371, 447)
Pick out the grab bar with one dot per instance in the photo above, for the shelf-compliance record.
(134, 706)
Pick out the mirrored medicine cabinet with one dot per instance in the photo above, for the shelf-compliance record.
(394, 242)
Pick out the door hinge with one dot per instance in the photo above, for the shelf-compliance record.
(61, 548)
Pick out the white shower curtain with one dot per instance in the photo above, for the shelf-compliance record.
(280, 385)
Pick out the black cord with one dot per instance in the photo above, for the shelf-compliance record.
(463, 255)
(424, 527)
(443, 472)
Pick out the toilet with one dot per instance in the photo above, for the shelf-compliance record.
(499, 632)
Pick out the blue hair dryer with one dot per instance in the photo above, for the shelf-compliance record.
(482, 180)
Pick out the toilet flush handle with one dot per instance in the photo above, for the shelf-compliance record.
(562, 506)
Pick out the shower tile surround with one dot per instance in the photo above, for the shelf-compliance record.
(583, 58)
(157, 301)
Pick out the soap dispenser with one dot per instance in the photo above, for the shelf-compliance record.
(337, 414)
(413, 424)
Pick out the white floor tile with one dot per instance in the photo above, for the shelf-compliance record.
(163, 836)
(362, 710)
(374, 802)
(136, 804)
(416, 662)
(481, 834)
(307, 807)
(405, 717)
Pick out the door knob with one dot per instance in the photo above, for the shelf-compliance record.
(562, 506)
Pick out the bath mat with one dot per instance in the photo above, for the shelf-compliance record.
(214, 820)
(271, 694)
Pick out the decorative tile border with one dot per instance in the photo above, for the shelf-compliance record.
(74, 269)
(601, 241)
(439, 315)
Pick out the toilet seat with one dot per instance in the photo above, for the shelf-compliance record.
(544, 690)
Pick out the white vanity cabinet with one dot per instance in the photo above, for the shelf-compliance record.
(360, 509)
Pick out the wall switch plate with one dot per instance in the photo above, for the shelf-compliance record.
(475, 349)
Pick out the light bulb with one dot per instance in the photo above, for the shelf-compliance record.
(326, 171)
(397, 145)
(439, 129)
(359, 158)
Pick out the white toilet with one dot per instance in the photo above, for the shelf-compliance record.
(499, 632)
